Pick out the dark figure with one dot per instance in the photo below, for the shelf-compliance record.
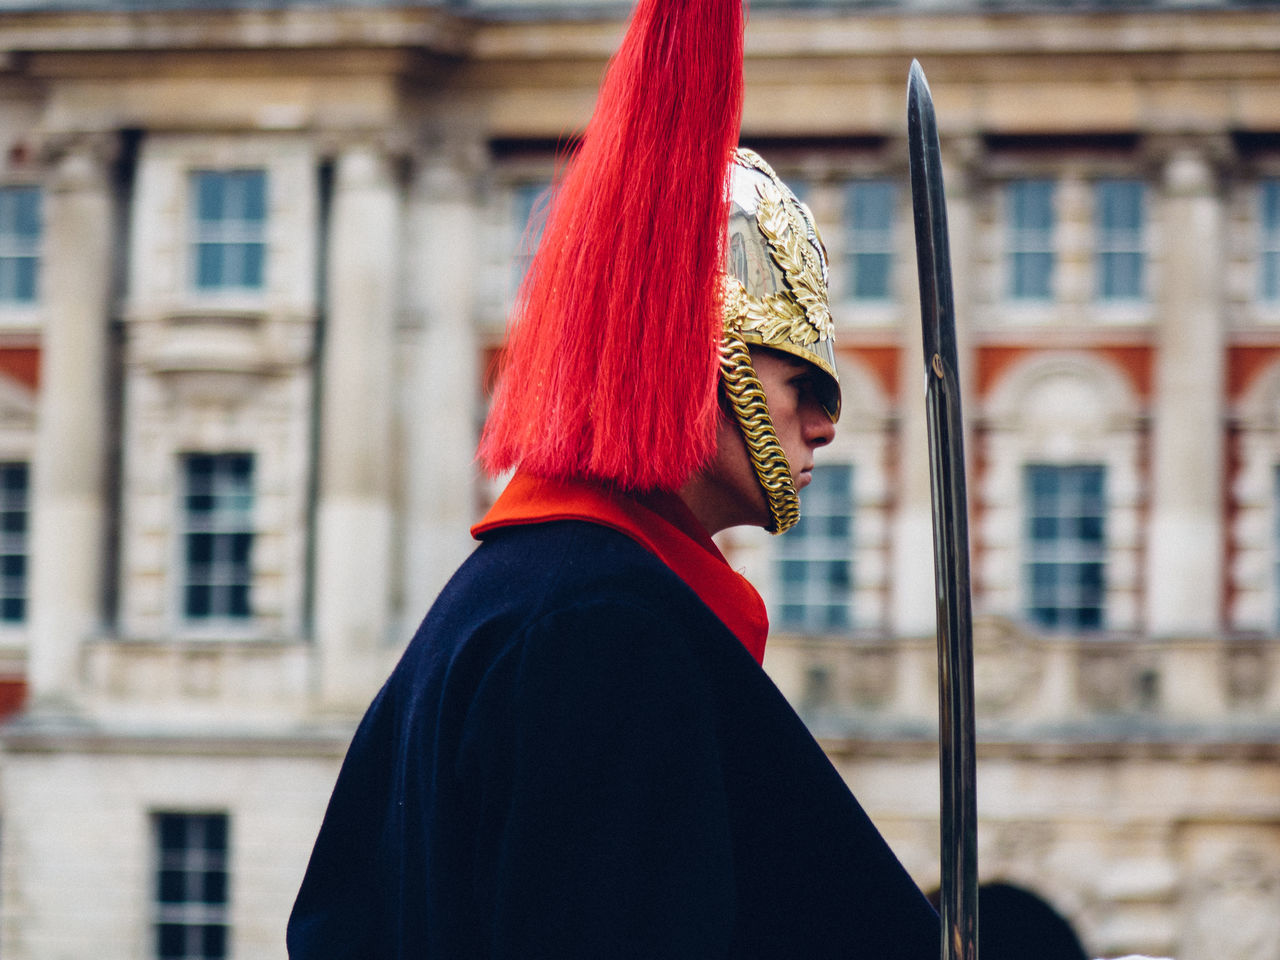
(579, 755)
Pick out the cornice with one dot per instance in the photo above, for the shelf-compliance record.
(590, 31)
(1101, 743)
(33, 734)
(429, 29)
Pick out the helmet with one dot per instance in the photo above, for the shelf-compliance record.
(775, 296)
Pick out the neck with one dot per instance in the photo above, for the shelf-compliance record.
(716, 507)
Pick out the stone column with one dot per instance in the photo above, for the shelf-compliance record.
(442, 389)
(68, 472)
(354, 508)
(1184, 555)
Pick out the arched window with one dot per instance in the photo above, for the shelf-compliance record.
(1059, 498)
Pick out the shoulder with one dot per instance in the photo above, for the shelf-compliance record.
(571, 566)
(594, 595)
(555, 588)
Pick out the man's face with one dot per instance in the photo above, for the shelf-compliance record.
(801, 423)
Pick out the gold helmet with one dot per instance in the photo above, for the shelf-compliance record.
(775, 296)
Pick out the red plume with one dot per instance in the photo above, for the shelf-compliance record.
(610, 370)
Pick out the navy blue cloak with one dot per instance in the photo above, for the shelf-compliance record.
(576, 759)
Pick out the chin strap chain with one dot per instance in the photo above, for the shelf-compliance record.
(747, 399)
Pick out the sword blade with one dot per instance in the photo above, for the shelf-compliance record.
(957, 761)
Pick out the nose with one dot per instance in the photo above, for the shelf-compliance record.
(819, 430)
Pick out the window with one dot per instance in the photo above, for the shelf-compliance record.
(815, 562)
(1269, 247)
(191, 885)
(869, 235)
(229, 229)
(1119, 216)
(20, 230)
(218, 547)
(1066, 519)
(13, 542)
(1030, 220)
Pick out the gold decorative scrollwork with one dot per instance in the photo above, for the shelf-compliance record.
(746, 396)
(798, 263)
(801, 314)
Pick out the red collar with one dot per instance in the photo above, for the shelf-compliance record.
(661, 523)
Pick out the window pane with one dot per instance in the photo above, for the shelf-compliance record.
(238, 600)
(869, 206)
(837, 573)
(199, 601)
(253, 190)
(872, 205)
(209, 192)
(1121, 276)
(1031, 205)
(13, 480)
(253, 254)
(208, 266)
(26, 214)
(13, 542)
(871, 276)
(199, 546)
(815, 570)
(1270, 191)
(219, 537)
(24, 278)
(192, 885)
(1119, 226)
(171, 941)
(1045, 616)
(1269, 240)
(214, 942)
(837, 617)
(840, 525)
(792, 571)
(1120, 206)
(20, 237)
(173, 834)
(214, 828)
(1089, 618)
(1030, 243)
(1044, 577)
(228, 230)
(1090, 529)
(215, 887)
(172, 886)
(1031, 276)
(1270, 275)
(1043, 528)
(1065, 547)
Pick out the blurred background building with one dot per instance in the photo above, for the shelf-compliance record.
(255, 262)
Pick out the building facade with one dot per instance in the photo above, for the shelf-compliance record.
(255, 264)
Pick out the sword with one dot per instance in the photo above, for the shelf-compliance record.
(959, 829)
